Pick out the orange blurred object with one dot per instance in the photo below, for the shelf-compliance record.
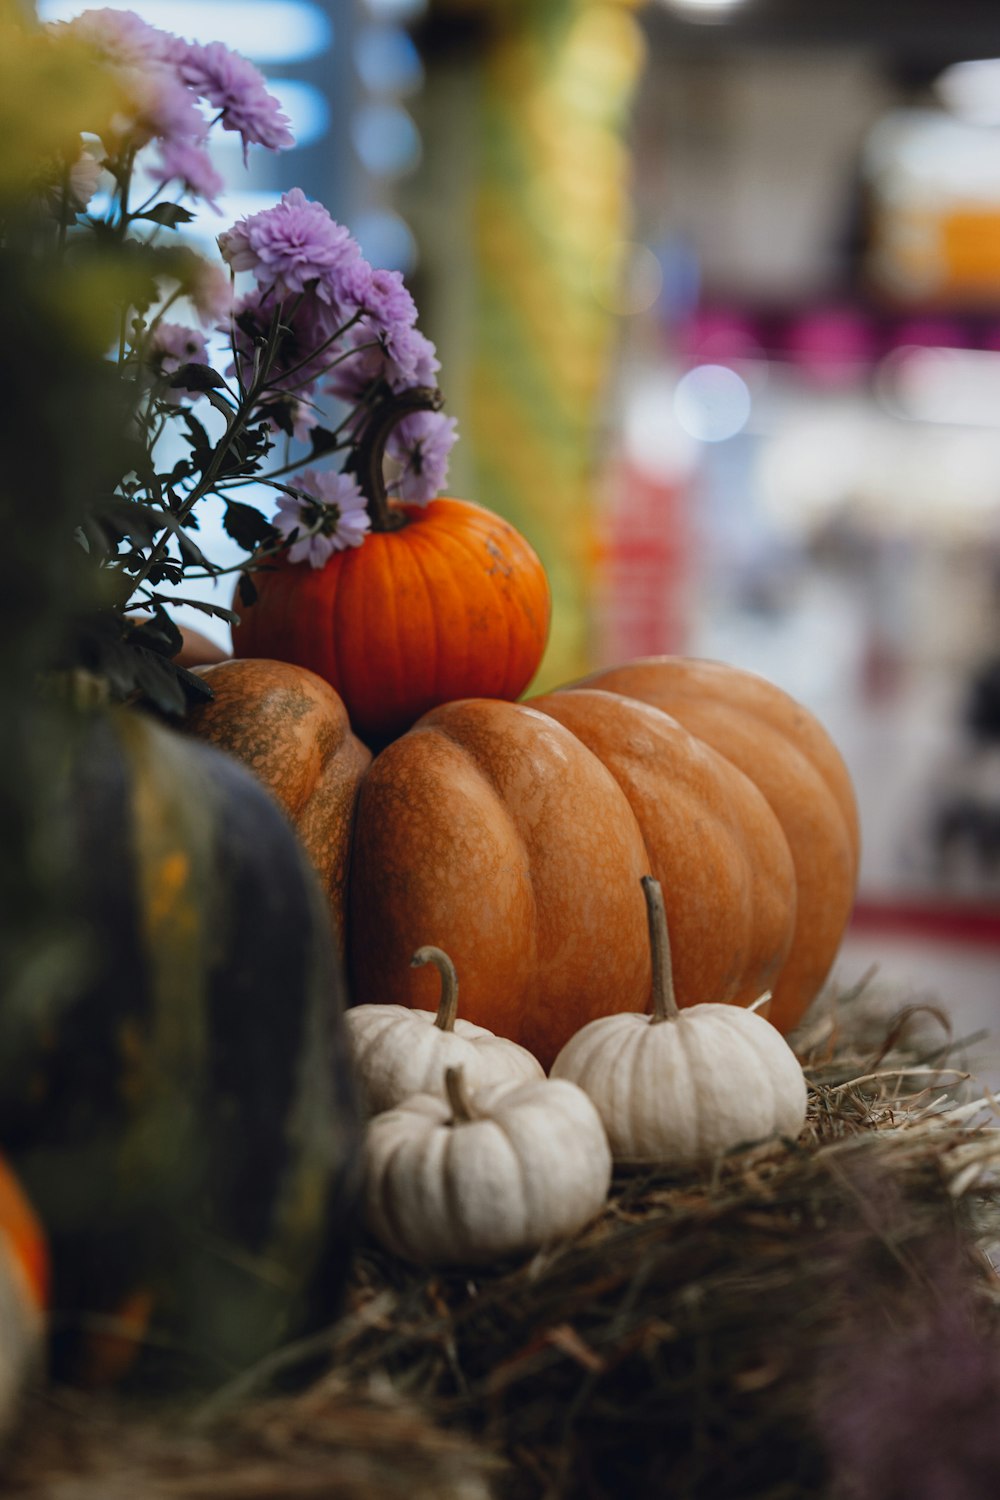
(25, 1238)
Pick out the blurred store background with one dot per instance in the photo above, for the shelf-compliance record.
(716, 290)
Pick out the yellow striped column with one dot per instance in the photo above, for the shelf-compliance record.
(551, 208)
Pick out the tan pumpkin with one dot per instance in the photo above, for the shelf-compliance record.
(399, 1051)
(711, 840)
(513, 837)
(291, 730)
(489, 831)
(681, 1087)
(474, 1177)
(788, 754)
(516, 839)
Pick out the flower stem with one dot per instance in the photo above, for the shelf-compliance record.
(665, 1006)
(369, 454)
(448, 1004)
(238, 421)
(309, 358)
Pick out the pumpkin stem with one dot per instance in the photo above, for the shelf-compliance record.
(369, 452)
(461, 1114)
(665, 1006)
(448, 1004)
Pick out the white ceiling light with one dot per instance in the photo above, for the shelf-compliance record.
(703, 10)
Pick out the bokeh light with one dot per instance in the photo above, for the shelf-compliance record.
(712, 403)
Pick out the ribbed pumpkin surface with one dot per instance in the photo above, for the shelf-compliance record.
(787, 753)
(291, 730)
(187, 1125)
(514, 837)
(454, 604)
(492, 833)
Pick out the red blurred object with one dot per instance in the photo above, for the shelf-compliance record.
(645, 562)
(929, 920)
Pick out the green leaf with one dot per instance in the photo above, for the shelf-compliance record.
(196, 377)
(247, 526)
(131, 659)
(170, 215)
(159, 633)
(166, 572)
(280, 413)
(119, 517)
(200, 442)
(247, 590)
(323, 441)
(192, 553)
(220, 403)
(216, 610)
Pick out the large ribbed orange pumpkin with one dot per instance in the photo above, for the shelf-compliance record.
(453, 602)
(791, 758)
(513, 836)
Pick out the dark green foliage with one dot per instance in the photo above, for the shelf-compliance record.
(62, 441)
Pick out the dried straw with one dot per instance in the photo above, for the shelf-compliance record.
(813, 1319)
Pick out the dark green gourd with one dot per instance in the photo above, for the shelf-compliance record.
(187, 1124)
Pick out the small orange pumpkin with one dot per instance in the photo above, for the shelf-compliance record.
(441, 601)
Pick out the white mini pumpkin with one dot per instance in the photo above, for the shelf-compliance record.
(399, 1050)
(680, 1087)
(471, 1178)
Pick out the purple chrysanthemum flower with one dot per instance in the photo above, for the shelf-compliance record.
(170, 346)
(304, 418)
(84, 178)
(148, 60)
(421, 443)
(291, 247)
(236, 88)
(385, 302)
(308, 325)
(189, 164)
(413, 358)
(399, 357)
(124, 38)
(329, 517)
(163, 106)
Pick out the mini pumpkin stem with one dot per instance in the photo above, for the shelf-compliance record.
(448, 1004)
(369, 453)
(461, 1114)
(665, 1006)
